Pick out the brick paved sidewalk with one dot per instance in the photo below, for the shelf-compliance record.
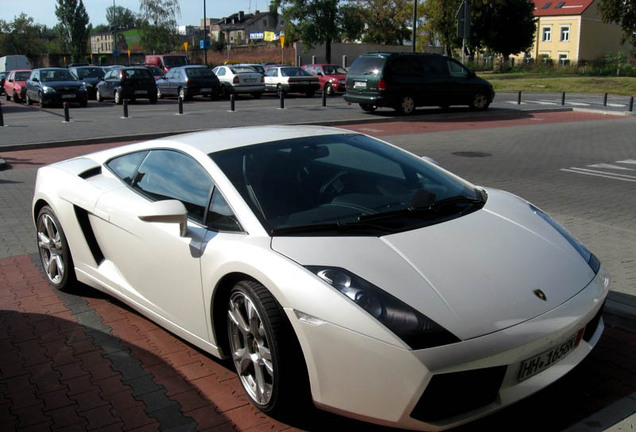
(83, 361)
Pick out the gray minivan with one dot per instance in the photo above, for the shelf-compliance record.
(404, 81)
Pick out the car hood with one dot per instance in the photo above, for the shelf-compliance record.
(61, 84)
(473, 275)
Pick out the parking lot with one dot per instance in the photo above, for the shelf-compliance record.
(84, 361)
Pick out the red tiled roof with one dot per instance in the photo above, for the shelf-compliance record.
(566, 7)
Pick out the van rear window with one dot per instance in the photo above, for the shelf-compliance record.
(367, 66)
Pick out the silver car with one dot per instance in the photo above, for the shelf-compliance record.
(240, 79)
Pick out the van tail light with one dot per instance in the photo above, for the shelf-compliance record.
(236, 80)
(381, 85)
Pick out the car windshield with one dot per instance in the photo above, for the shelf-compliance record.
(22, 76)
(57, 75)
(199, 72)
(174, 61)
(90, 72)
(334, 70)
(291, 72)
(348, 183)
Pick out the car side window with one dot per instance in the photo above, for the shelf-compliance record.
(220, 71)
(407, 65)
(168, 174)
(220, 215)
(438, 67)
(126, 166)
(457, 70)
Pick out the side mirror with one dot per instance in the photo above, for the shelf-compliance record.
(168, 211)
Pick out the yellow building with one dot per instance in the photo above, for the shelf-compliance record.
(573, 30)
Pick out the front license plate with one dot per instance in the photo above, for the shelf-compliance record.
(534, 365)
(359, 85)
(141, 92)
(68, 96)
(206, 89)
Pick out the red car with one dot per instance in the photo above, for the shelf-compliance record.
(15, 85)
(332, 77)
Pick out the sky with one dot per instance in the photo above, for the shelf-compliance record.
(43, 11)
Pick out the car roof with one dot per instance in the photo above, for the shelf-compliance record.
(216, 140)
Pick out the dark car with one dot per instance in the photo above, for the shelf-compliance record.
(90, 76)
(3, 75)
(188, 81)
(404, 81)
(135, 82)
(49, 86)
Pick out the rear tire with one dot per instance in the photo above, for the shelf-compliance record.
(118, 99)
(55, 254)
(406, 105)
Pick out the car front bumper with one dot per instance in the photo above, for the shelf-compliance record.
(371, 380)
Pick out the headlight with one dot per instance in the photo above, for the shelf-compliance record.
(47, 89)
(82, 88)
(411, 326)
(588, 256)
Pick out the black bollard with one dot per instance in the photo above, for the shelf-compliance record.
(125, 105)
(631, 104)
(67, 117)
(1, 117)
(282, 100)
(519, 98)
(180, 105)
(562, 98)
(324, 98)
(232, 102)
(605, 100)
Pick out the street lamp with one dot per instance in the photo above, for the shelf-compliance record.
(205, 36)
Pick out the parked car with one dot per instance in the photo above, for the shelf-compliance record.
(188, 81)
(405, 81)
(90, 76)
(156, 71)
(239, 80)
(132, 83)
(256, 66)
(166, 61)
(48, 86)
(332, 77)
(290, 79)
(3, 76)
(15, 85)
(325, 264)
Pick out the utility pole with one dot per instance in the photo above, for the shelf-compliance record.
(205, 36)
(414, 34)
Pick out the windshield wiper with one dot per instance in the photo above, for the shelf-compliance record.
(335, 228)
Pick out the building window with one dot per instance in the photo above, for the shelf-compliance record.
(564, 58)
(547, 34)
(565, 34)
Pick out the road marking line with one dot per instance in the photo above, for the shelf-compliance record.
(627, 161)
(600, 174)
(578, 103)
(610, 166)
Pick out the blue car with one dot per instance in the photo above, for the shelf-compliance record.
(188, 81)
(49, 86)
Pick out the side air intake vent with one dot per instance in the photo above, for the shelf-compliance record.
(91, 172)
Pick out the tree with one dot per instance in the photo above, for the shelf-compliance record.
(623, 13)
(121, 18)
(73, 27)
(313, 21)
(21, 37)
(387, 21)
(503, 26)
(159, 24)
(441, 24)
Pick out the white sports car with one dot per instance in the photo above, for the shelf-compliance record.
(330, 264)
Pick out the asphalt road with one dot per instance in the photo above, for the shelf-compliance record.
(581, 170)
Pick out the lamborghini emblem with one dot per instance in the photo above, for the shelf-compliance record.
(540, 294)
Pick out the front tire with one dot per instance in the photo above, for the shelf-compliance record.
(479, 102)
(98, 96)
(329, 90)
(118, 99)
(28, 100)
(264, 349)
(55, 254)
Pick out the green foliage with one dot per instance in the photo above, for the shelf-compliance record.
(74, 28)
(159, 25)
(623, 13)
(440, 24)
(121, 18)
(387, 21)
(20, 37)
